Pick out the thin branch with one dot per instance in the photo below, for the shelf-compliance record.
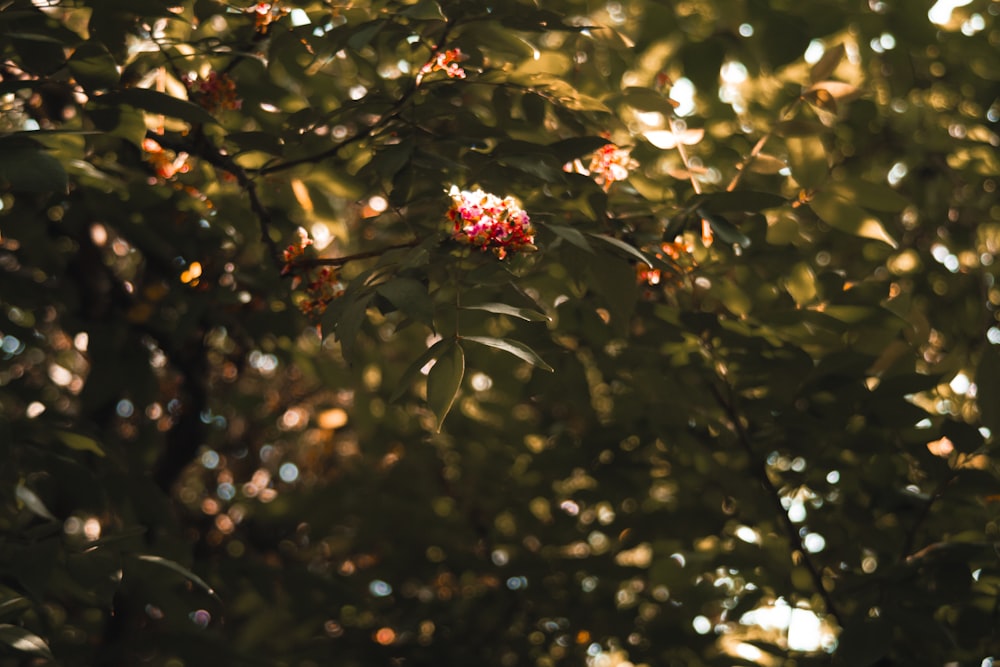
(742, 167)
(200, 146)
(394, 112)
(774, 493)
(340, 261)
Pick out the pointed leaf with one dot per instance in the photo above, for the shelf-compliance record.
(79, 442)
(94, 66)
(14, 605)
(826, 65)
(567, 150)
(21, 640)
(746, 201)
(518, 349)
(409, 296)
(505, 309)
(807, 158)
(625, 247)
(179, 569)
(25, 166)
(156, 102)
(845, 216)
(876, 196)
(413, 370)
(665, 139)
(725, 229)
(572, 235)
(33, 502)
(445, 380)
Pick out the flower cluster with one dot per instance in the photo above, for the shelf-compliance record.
(214, 93)
(322, 285)
(444, 61)
(609, 163)
(264, 14)
(678, 255)
(166, 163)
(487, 222)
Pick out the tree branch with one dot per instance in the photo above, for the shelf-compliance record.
(727, 403)
(340, 261)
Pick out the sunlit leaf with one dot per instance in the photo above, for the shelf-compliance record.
(875, 196)
(80, 442)
(624, 247)
(504, 309)
(24, 641)
(33, 502)
(179, 569)
(724, 229)
(826, 65)
(14, 605)
(807, 159)
(516, 348)
(845, 216)
(667, 139)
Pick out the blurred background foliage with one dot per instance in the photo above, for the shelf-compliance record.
(738, 407)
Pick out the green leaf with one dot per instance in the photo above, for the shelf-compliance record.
(413, 370)
(801, 283)
(409, 296)
(126, 122)
(21, 640)
(156, 102)
(647, 99)
(179, 569)
(264, 142)
(739, 200)
(725, 229)
(94, 66)
(988, 388)
(862, 643)
(80, 443)
(568, 150)
(845, 216)
(365, 33)
(13, 605)
(444, 380)
(33, 502)
(825, 66)
(572, 235)
(624, 247)
(504, 309)
(876, 196)
(518, 349)
(807, 158)
(25, 166)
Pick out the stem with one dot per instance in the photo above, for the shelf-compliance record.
(340, 261)
(727, 403)
(742, 167)
(394, 112)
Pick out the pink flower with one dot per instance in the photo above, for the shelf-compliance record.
(485, 221)
(608, 164)
(444, 61)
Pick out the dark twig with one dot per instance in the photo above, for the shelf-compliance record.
(340, 261)
(727, 403)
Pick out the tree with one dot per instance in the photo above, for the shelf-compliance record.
(413, 332)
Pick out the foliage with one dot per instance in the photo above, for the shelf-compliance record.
(434, 332)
